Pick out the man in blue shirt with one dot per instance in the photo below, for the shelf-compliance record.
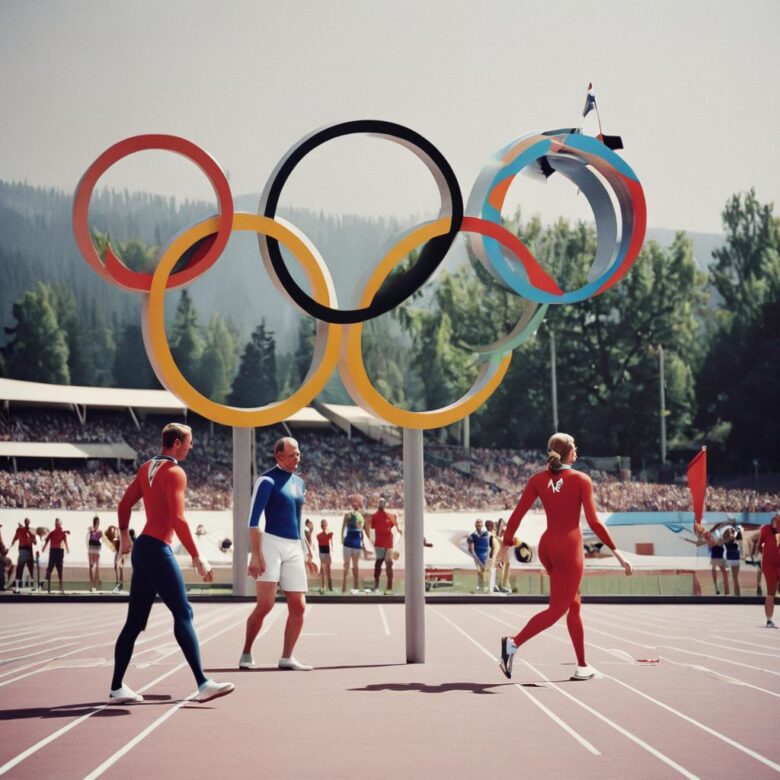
(479, 549)
(277, 553)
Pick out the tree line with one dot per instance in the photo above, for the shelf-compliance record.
(718, 331)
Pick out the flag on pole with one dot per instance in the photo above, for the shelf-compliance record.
(697, 482)
(590, 101)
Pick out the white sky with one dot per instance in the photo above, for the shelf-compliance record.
(691, 87)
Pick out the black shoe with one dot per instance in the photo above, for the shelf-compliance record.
(508, 650)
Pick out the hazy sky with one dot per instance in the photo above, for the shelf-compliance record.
(691, 87)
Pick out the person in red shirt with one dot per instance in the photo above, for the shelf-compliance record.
(26, 538)
(564, 493)
(382, 524)
(56, 538)
(769, 544)
(325, 547)
(161, 483)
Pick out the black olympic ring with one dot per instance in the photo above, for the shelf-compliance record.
(399, 288)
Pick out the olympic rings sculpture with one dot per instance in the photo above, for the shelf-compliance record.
(338, 339)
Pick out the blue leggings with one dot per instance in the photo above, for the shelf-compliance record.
(155, 571)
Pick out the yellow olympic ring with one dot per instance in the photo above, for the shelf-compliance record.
(153, 318)
(353, 371)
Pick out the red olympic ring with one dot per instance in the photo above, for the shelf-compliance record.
(203, 256)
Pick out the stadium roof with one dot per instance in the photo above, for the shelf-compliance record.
(15, 391)
(45, 449)
(38, 393)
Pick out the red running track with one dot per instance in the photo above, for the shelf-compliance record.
(707, 708)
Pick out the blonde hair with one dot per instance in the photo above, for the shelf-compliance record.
(558, 447)
(173, 431)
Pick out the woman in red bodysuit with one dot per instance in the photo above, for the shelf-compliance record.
(563, 493)
(769, 544)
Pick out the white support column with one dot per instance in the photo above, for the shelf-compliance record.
(244, 470)
(414, 578)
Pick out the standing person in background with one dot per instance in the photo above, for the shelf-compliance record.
(769, 544)
(26, 538)
(278, 554)
(382, 524)
(478, 542)
(352, 531)
(325, 547)
(57, 538)
(161, 483)
(3, 553)
(112, 540)
(733, 556)
(504, 567)
(564, 493)
(94, 543)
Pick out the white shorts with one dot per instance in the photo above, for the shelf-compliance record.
(733, 563)
(284, 563)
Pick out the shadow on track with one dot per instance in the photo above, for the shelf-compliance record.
(478, 688)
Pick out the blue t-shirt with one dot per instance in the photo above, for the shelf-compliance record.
(481, 544)
(353, 534)
(278, 495)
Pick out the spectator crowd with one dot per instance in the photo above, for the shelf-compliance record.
(332, 465)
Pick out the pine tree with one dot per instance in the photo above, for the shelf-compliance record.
(186, 340)
(37, 350)
(255, 384)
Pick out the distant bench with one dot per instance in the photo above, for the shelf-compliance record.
(438, 578)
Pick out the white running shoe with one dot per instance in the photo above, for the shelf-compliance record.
(770, 624)
(211, 689)
(124, 695)
(584, 673)
(246, 661)
(293, 665)
(117, 589)
(508, 650)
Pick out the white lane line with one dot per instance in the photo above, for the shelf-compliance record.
(550, 714)
(43, 630)
(741, 642)
(110, 642)
(678, 638)
(384, 619)
(5, 661)
(698, 653)
(738, 745)
(65, 729)
(628, 734)
(111, 760)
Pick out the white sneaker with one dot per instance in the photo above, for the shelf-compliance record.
(246, 661)
(211, 689)
(92, 590)
(117, 589)
(296, 666)
(585, 673)
(770, 624)
(124, 695)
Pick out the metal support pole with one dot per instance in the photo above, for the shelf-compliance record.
(467, 436)
(414, 585)
(662, 390)
(244, 470)
(553, 382)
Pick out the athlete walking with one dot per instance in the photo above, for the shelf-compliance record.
(277, 553)
(563, 493)
(161, 483)
(769, 544)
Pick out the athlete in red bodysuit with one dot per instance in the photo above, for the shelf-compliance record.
(161, 483)
(769, 544)
(563, 493)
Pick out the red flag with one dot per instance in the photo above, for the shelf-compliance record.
(697, 482)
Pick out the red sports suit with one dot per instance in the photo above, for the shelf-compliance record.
(161, 483)
(382, 524)
(770, 557)
(563, 494)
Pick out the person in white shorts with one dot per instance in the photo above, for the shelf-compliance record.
(277, 553)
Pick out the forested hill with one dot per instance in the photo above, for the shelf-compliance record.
(36, 244)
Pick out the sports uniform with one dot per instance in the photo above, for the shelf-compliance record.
(278, 496)
(563, 494)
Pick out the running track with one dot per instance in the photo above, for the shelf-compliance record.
(708, 708)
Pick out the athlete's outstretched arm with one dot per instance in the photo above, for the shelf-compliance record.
(523, 505)
(589, 505)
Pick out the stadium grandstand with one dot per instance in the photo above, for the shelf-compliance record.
(76, 447)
